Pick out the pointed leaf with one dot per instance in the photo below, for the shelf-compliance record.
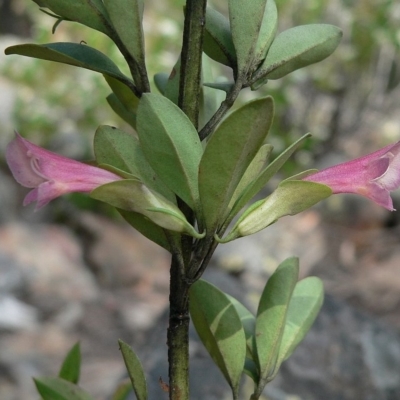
(228, 153)
(267, 31)
(265, 175)
(71, 367)
(122, 150)
(252, 171)
(87, 12)
(171, 145)
(218, 43)
(271, 315)
(126, 16)
(123, 391)
(79, 55)
(51, 388)
(124, 94)
(246, 20)
(171, 91)
(304, 307)
(220, 329)
(298, 47)
(146, 227)
(135, 371)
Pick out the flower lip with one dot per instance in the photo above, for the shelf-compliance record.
(51, 175)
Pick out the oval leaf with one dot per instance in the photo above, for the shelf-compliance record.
(306, 301)
(126, 16)
(87, 12)
(220, 329)
(271, 316)
(171, 145)
(71, 366)
(135, 371)
(78, 55)
(298, 47)
(245, 22)
(218, 43)
(228, 153)
(51, 388)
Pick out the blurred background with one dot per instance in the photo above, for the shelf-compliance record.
(74, 271)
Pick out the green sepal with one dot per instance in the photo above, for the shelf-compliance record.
(122, 150)
(78, 55)
(133, 195)
(271, 317)
(246, 20)
(51, 388)
(218, 43)
(71, 366)
(126, 17)
(171, 145)
(220, 329)
(135, 370)
(304, 306)
(264, 176)
(298, 47)
(228, 154)
(90, 13)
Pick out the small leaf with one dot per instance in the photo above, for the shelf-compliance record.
(124, 94)
(227, 155)
(271, 316)
(121, 110)
(171, 145)
(161, 80)
(78, 55)
(122, 150)
(146, 227)
(265, 175)
(71, 367)
(218, 43)
(304, 307)
(220, 329)
(246, 20)
(267, 31)
(87, 12)
(298, 47)
(51, 388)
(171, 91)
(135, 371)
(123, 390)
(126, 17)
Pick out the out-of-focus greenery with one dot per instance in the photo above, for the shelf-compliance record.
(330, 99)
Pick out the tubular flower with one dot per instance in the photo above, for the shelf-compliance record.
(49, 174)
(373, 176)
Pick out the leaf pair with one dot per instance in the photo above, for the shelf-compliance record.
(240, 342)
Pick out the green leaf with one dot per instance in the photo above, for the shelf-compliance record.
(267, 31)
(252, 171)
(298, 47)
(123, 390)
(271, 316)
(161, 80)
(133, 195)
(171, 145)
(78, 55)
(71, 366)
(218, 43)
(246, 20)
(51, 388)
(87, 12)
(306, 301)
(265, 175)
(122, 150)
(171, 91)
(228, 153)
(124, 94)
(121, 110)
(126, 16)
(135, 371)
(146, 227)
(220, 329)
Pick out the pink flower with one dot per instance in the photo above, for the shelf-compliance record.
(49, 174)
(374, 176)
